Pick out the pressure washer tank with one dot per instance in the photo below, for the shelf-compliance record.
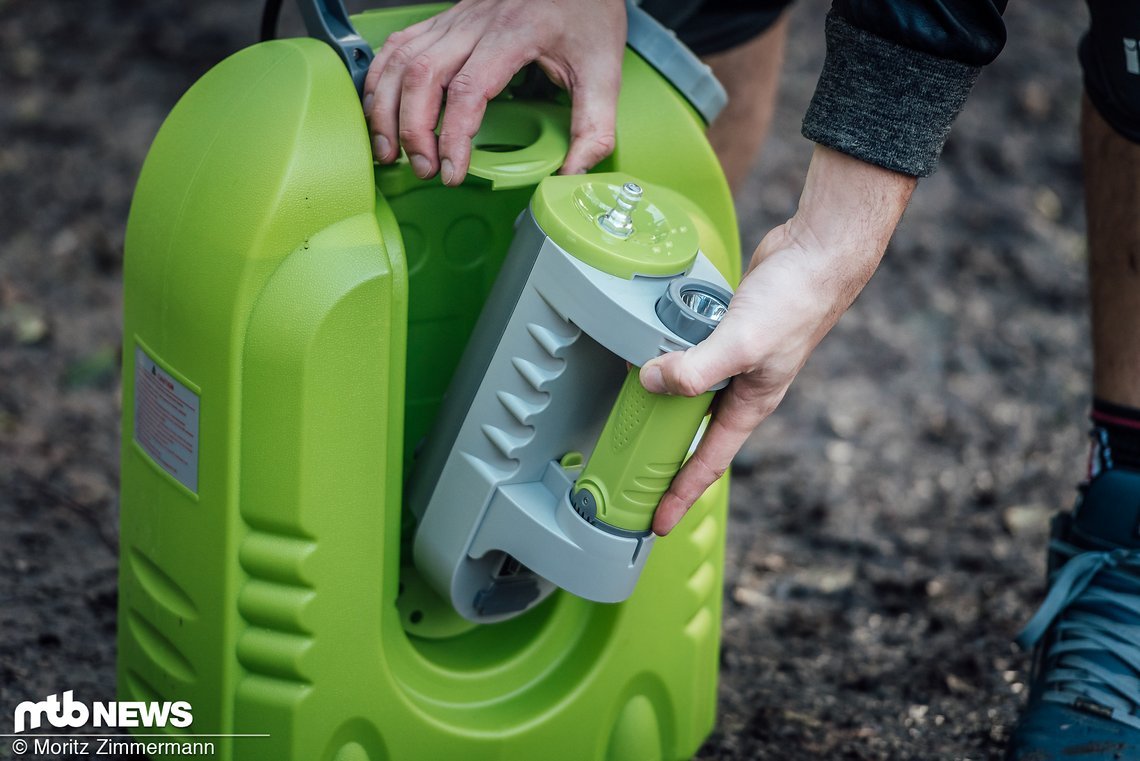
(298, 327)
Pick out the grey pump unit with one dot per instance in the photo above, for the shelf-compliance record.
(534, 478)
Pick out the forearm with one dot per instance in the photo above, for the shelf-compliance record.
(847, 213)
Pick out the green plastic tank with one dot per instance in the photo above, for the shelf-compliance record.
(293, 314)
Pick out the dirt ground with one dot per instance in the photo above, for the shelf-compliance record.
(889, 519)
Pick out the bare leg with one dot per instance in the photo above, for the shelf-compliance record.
(1112, 199)
(751, 74)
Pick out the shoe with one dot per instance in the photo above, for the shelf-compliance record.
(1084, 697)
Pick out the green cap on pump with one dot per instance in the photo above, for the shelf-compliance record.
(655, 238)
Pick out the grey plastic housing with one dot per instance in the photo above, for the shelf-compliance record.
(328, 21)
(661, 49)
(537, 380)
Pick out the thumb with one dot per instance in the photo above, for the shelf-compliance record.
(693, 371)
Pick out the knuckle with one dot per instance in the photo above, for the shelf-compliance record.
(686, 496)
(401, 57)
(603, 143)
(509, 19)
(454, 140)
(409, 136)
(709, 469)
(420, 70)
(688, 387)
(688, 380)
(463, 86)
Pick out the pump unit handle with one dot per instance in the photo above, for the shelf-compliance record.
(642, 446)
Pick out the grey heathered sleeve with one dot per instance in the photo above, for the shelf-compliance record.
(884, 103)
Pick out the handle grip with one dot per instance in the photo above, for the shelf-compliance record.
(642, 446)
(518, 144)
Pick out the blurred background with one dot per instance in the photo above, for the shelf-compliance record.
(889, 520)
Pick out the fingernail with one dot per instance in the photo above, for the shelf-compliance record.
(381, 146)
(653, 379)
(421, 166)
(446, 171)
(367, 102)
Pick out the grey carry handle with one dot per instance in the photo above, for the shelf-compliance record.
(662, 50)
(328, 21)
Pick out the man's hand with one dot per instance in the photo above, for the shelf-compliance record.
(802, 278)
(470, 52)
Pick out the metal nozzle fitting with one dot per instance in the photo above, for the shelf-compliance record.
(692, 308)
(618, 221)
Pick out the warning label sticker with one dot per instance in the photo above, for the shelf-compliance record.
(166, 420)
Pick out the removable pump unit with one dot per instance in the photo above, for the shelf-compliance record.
(549, 457)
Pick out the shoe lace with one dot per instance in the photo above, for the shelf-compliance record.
(1093, 661)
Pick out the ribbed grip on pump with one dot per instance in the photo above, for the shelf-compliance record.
(641, 448)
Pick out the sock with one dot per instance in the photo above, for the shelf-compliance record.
(1115, 437)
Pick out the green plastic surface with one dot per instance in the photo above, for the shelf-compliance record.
(520, 143)
(315, 308)
(641, 448)
(664, 240)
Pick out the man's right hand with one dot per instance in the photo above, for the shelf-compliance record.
(803, 277)
(470, 52)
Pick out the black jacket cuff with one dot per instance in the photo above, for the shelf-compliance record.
(884, 103)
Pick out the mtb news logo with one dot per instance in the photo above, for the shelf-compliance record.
(69, 712)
